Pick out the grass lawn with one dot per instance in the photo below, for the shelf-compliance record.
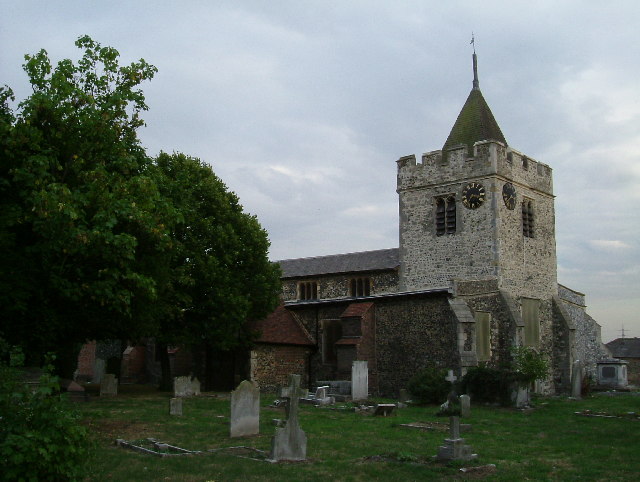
(549, 442)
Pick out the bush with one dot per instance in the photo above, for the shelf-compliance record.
(488, 385)
(529, 365)
(40, 438)
(429, 385)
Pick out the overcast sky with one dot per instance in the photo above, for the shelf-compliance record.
(303, 107)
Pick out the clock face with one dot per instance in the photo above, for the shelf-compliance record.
(473, 195)
(509, 195)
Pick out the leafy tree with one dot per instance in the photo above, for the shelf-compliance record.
(220, 274)
(82, 224)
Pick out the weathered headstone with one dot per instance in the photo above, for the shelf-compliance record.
(245, 410)
(290, 442)
(175, 406)
(521, 396)
(109, 385)
(186, 387)
(576, 380)
(403, 396)
(454, 447)
(465, 406)
(359, 380)
(99, 368)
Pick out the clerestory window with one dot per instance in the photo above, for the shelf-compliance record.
(308, 290)
(359, 287)
(445, 215)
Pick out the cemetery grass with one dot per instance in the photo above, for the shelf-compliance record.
(548, 442)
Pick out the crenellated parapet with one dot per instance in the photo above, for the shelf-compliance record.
(489, 158)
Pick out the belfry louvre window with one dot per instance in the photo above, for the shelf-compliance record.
(359, 287)
(308, 290)
(445, 215)
(527, 218)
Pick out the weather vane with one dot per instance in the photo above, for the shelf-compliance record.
(473, 42)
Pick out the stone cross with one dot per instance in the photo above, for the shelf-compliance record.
(290, 442)
(451, 377)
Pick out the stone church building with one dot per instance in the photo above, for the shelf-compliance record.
(475, 273)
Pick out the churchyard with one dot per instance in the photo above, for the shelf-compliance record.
(558, 439)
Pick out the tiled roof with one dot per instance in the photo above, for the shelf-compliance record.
(356, 309)
(474, 123)
(281, 327)
(625, 347)
(382, 259)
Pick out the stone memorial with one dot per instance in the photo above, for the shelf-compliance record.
(576, 380)
(454, 447)
(384, 409)
(465, 406)
(359, 380)
(109, 385)
(245, 410)
(186, 387)
(290, 442)
(175, 406)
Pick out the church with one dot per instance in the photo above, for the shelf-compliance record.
(475, 274)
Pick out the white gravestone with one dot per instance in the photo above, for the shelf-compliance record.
(465, 406)
(185, 387)
(359, 380)
(290, 442)
(245, 410)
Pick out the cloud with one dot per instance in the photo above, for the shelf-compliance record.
(609, 244)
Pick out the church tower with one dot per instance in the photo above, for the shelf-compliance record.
(477, 210)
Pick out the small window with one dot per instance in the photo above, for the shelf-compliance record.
(359, 287)
(445, 215)
(308, 290)
(527, 218)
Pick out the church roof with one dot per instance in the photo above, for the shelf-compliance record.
(382, 259)
(625, 347)
(475, 121)
(281, 327)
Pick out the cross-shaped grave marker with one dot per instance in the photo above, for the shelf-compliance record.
(290, 442)
(451, 377)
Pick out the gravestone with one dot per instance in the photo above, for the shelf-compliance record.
(186, 387)
(175, 406)
(245, 410)
(109, 385)
(451, 378)
(403, 396)
(521, 396)
(465, 406)
(99, 368)
(359, 380)
(384, 409)
(454, 447)
(290, 442)
(576, 380)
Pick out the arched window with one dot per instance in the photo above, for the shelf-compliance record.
(308, 290)
(359, 287)
(445, 215)
(527, 218)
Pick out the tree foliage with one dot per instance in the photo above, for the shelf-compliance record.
(100, 241)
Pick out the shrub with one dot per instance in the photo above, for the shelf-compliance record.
(489, 385)
(40, 438)
(429, 385)
(528, 365)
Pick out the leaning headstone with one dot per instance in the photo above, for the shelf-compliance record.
(290, 442)
(454, 447)
(576, 380)
(465, 406)
(109, 385)
(245, 410)
(175, 406)
(359, 380)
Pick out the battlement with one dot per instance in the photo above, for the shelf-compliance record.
(488, 158)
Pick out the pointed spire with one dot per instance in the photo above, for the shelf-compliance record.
(475, 121)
